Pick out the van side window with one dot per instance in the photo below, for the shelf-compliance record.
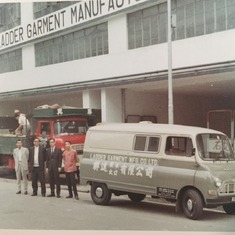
(140, 142)
(179, 146)
(147, 143)
(153, 144)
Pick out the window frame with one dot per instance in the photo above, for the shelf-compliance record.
(147, 142)
(178, 152)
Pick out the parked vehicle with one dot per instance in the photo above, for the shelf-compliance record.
(65, 123)
(191, 166)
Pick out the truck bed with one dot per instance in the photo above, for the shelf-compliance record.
(8, 143)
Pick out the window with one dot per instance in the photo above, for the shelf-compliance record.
(45, 127)
(148, 26)
(70, 127)
(179, 146)
(11, 61)
(140, 142)
(193, 18)
(153, 144)
(231, 14)
(89, 42)
(9, 16)
(146, 143)
(220, 15)
(214, 147)
(43, 8)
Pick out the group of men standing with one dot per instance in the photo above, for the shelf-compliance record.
(39, 161)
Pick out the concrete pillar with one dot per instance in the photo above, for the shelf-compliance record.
(27, 50)
(91, 99)
(118, 34)
(111, 105)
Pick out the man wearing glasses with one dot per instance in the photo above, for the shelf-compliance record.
(37, 159)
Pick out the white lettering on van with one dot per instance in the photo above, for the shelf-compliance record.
(149, 172)
(115, 169)
(131, 170)
(116, 158)
(96, 166)
(134, 160)
(103, 166)
(123, 169)
(98, 156)
(139, 171)
(115, 165)
(123, 159)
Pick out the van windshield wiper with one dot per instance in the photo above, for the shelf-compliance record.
(223, 156)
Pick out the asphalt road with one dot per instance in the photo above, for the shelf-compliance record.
(24, 212)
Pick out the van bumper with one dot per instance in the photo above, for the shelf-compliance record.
(220, 200)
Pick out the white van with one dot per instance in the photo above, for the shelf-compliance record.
(192, 166)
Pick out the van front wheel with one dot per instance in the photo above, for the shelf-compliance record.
(100, 193)
(192, 204)
(135, 197)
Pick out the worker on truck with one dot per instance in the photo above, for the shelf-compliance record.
(24, 125)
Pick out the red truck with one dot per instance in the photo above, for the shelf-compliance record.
(62, 123)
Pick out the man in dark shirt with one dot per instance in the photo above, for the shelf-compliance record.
(53, 164)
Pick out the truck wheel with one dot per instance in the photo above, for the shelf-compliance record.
(100, 193)
(192, 204)
(135, 197)
(229, 208)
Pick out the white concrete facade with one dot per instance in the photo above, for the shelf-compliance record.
(191, 52)
(187, 52)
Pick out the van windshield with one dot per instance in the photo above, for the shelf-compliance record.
(70, 127)
(214, 147)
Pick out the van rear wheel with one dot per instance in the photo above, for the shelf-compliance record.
(192, 204)
(135, 197)
(100, 193)
(229, 208)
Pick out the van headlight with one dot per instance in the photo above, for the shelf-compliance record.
(218, 182)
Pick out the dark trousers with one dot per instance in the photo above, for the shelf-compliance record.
(71, 182)
(38, 175)
(54, 178)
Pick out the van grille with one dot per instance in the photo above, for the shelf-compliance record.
(227, 189)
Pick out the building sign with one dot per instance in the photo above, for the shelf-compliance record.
(73, 15)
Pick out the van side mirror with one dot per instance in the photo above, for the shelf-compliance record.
(193, 151)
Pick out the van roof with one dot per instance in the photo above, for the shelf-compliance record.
(154, 128)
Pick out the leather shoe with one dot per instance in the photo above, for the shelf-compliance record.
(69, 196)
(58, 196)
(34, 194)
(51, 195)
(76, 197)
(19, 192)
(25, 192)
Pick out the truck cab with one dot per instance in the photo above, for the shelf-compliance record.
(63, 129)
(63, 124)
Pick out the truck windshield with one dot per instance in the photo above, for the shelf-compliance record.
(70, 127)
(213, 147)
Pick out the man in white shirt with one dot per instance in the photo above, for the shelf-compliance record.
(21, 157)
(37, 159)
(24, 125)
